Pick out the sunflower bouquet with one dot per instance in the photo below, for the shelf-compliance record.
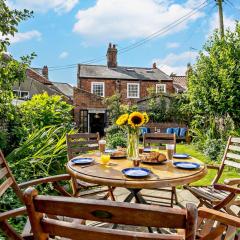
(132, 121)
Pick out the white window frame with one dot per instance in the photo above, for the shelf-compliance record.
(98, 83)
(138, 89)
(161, 84)
(19, 93)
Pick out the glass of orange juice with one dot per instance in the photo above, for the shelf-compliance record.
(105, 158)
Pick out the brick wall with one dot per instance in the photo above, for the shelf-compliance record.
(113, 86)
(85, 100)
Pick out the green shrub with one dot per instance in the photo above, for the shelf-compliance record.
(116, 136)
(42, 110)
(3, 139)
(44, 153)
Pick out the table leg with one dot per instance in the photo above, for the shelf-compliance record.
(135, 193)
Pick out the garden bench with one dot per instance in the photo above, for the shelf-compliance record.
(181, 130)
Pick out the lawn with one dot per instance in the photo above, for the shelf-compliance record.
(228, 173)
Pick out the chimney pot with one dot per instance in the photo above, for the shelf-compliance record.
(154, 65)
(45, 71)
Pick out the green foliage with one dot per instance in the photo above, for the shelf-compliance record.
(163, 108)
(11, 71)
(10, 20)
(116, 136)
(44, 153)
(214, 93)
(43, 110)
(214, 82)
(3, 139)
(114, 107)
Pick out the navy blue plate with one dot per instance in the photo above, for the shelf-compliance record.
(136, 172)
(181, 155)
(186, 165)
(82, 161)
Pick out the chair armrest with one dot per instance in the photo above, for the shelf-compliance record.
(227, 188)
(12, 213)
(210, 166)
(56, 178)
(224, 218)
(232, 181)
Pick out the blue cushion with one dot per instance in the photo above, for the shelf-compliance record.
(176, 131)
(169, 131)
(144, 130)
(182, 132)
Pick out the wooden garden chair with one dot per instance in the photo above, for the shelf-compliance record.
(106, 212)
(78, 144)
(219, 196)
(8, 181)
(215, 225)
(161, 139)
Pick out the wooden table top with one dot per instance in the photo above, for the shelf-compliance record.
(163, 175)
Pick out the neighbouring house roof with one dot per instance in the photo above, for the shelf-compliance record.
(65, 88)
(120, 72)
(180, 83)
(37, 76)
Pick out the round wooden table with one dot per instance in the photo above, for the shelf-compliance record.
(163, 175)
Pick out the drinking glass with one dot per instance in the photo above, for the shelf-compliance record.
(105, 158)
(170, 151)
(102, 145)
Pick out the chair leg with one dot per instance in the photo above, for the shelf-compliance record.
(9, 231)
(175, 194)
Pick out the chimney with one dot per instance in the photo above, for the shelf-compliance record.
(154, 66)
(112, 56)
(45, 72)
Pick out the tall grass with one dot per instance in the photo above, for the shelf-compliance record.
(44, 153)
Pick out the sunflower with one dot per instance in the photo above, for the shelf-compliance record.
(136, 119)
(122, 119)
(146, 117)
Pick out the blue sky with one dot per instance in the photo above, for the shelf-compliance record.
(66, 32)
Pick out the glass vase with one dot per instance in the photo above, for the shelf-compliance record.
(133, 145)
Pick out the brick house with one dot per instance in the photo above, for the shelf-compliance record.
(37, 82)
(96, 82)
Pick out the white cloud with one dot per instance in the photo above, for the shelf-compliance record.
(130, 19)
(229, 23)
(63, 55)
(173, 45)
(24, 36)
(44, 5)
(176, 63)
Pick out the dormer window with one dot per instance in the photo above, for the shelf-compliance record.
(98, 88)
(160, 88)
(133, 90)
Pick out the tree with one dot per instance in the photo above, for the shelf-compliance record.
(11, 71)
(214, 81)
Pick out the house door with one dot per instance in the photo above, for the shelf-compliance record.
(83, 121)
(97, 123)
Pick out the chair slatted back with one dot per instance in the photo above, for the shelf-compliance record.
(106, 212)
(215, 225)
(159, 138)
(231, 156)
(81, 142)
(7, 180)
